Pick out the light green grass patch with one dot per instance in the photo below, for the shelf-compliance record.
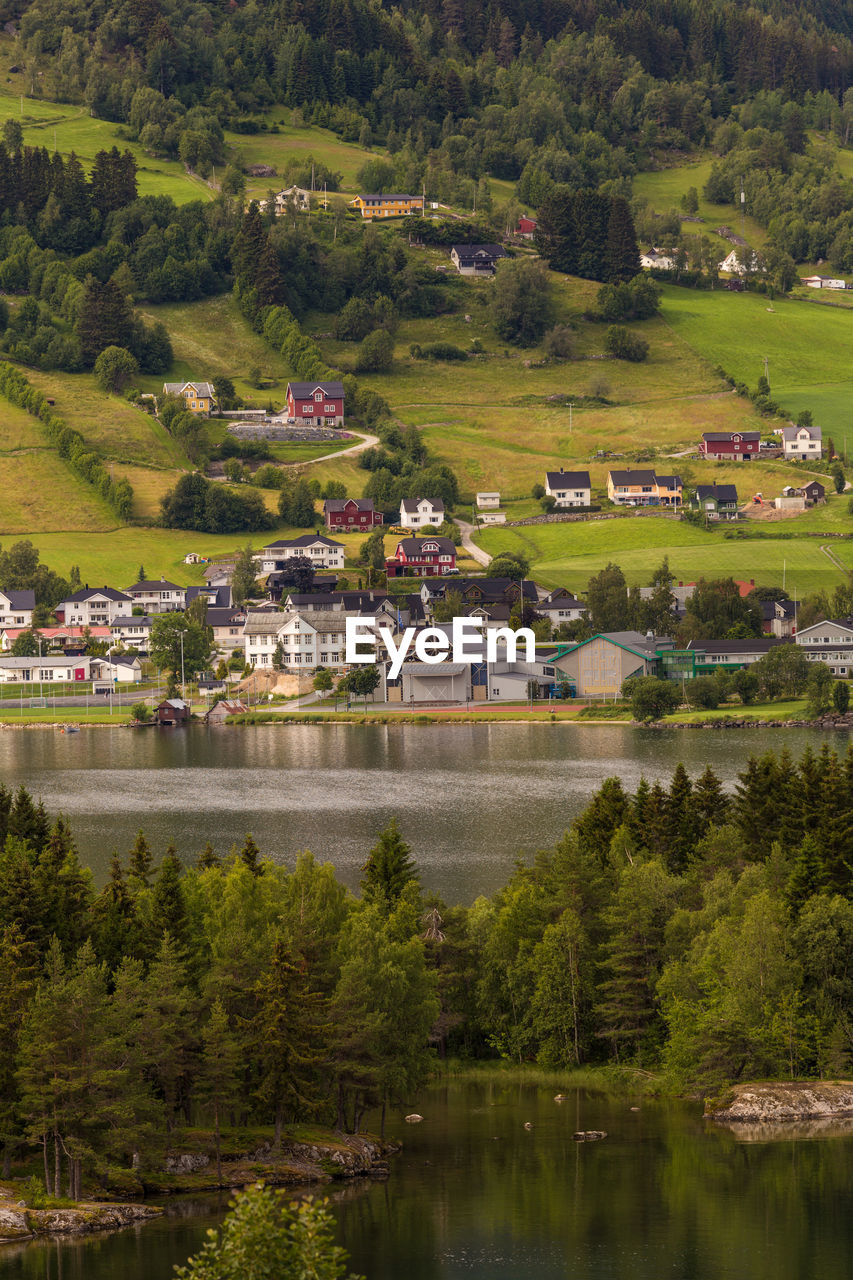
(19, 429)
(789, 709)
(664, 188)
(40, 492)
(569, 554)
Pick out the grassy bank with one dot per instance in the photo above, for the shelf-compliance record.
(602, 1079)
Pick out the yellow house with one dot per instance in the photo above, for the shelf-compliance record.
(643, 489)
(388, 206)
(198, 396)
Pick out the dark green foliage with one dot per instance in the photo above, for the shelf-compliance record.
(622, 345)
(521, 303)
(197, 503)
(388, 869)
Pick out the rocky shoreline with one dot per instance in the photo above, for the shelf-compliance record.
(765, 1104)
(298, 1162)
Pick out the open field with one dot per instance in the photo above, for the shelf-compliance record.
(40, 492)
(66, 127)
(300, 144)
(19, 429)
(569, 554)
(149, 484)
(807, 347)
(115, 428)
(664, 188)
(211, 339)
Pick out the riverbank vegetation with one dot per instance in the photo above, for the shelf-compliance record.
(676, 931)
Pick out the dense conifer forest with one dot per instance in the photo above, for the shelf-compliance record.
(682, 930)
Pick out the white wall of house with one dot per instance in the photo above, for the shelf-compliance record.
(96, 611)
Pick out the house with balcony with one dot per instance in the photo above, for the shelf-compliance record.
(387, 206)
(93, 607)
(325, 553)
(730, 446)
(156, 596)
(476, 259)
(422, 558)
(643, 488)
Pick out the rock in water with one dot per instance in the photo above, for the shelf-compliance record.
(528, 1125)
(414, 1118)
(589, 1135)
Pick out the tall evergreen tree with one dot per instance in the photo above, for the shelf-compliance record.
(622, 257)
(218, 1082)
(389, 868)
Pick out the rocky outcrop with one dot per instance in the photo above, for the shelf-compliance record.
(18, 1223)
(186, 1162)
(798, 1100)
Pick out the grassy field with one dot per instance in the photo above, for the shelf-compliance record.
(664, 188)
(785, 709)
(40, 492)
(807, 347)
(211, 339)
(299, 144)
(568, 554)
(19, 430)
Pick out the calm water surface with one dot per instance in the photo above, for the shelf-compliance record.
(469, 797)
(475, 1196)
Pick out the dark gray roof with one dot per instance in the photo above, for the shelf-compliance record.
(302, 390)
(721, 492)
(412, 546)
(219, 597)
(633, 477)
(478, 252)
(712, 436)
(25, 599)
(306, 540)
(411, 504)
(567, 479)
(670, 482)
(86, 593)
(735, 647)
(151, 585)
(219, 617)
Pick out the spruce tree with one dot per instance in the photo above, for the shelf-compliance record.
(140, 860)
(597, 824)
(18, 974)
(207, 858)
(114, 922)
(556, 234)
(168, 906)
(680, 822)
(166, 1047)
(290, 1033)
(389, 868)
(250, 856)
(622, 257)
(218, 1081)
(710, 801)
(807, 875)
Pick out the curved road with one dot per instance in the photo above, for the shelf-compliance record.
(477, 553)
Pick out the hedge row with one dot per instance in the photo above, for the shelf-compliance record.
(69, 443)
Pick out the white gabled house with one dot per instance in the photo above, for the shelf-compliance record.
(323, 552)
(416, 513)
(16, 608)
(802, 443)
(157, 596)
(569, 488)
(93, 607)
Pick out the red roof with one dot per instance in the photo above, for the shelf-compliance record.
(62, 633)
(745, 587)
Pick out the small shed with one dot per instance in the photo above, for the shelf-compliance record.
(172, 711)
(488, 501)
(493, 517)
(220, 712)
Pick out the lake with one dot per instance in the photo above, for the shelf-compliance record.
(476, 1196)
(469, 797)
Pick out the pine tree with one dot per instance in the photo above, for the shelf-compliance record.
(250, 856)
(290, 1032)
(168, 905)
(18, 973)
(140, 860)
(710, 801)
(114, 922)
(207, 858)
(388, 869)
(622, 257)
(218, 1081)
(165, 1044)
(807, 875)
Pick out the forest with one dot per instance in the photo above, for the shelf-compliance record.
(701, 935)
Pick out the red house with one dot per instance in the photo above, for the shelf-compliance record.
(351, 515)
(316, 404)
(737, 446)
(526, 226)
(422, 558)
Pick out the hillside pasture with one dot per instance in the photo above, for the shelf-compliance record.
(41, 493)
(19, 429)
(569, 554)
(807, 347)
(663, 189)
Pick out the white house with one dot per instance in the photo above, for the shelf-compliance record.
(156, 596)
(131, 632)
(122, 670)
(561, 606)
(55, 670)
(323, 552)
(487, 501)
(823, 282)
(654, 258)
(735, 267)
(802, 443)
(299, 198)
(16, 608)
(93, 607)
(415, 513)
(569, 488)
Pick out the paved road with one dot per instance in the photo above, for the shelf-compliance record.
(482, 557)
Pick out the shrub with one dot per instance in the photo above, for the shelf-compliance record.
(443, 351)
(624, 345)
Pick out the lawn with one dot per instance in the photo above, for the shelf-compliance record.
(41, 493)
(212, 338)
(115, 428)
(786, 709)
(663, 189)
(19, 429)
(807, 347)
(68, 127)
(569, 554)
(296, 143)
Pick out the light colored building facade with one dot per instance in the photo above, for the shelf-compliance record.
(325, 553)
(569, 488)
(802, 444)
(93, 607)
(416, 513)
(156, 596)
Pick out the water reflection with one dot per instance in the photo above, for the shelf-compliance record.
(470, 797)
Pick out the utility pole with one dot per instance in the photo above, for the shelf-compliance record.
(183, 689)
(767, 370)
(571, 409)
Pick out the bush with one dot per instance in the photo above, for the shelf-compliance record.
(703, 692)
(623, 345)
(443, 351)
(140, 711)
(376, 353)
(559, 343)
(538, 491)
(651, 698)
